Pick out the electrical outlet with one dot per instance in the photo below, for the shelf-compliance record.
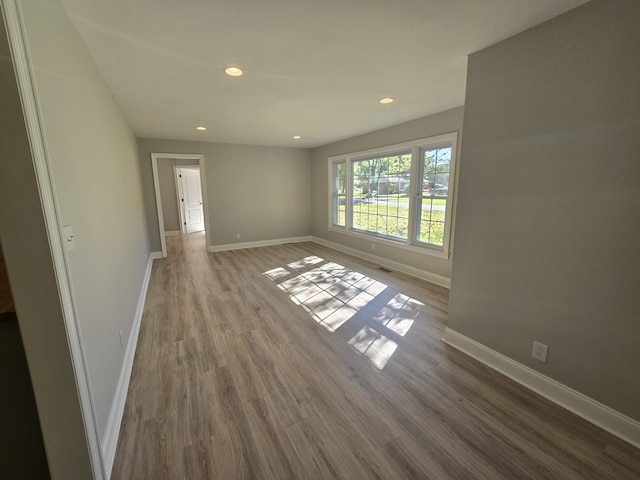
(540, 351)
(121, 344)
(373, 246)
(237, 236)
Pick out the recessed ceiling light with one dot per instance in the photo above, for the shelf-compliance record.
(386, 100)
(297, 137)
(233, 71)
(202, 129)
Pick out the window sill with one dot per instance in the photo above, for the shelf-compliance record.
(420, 249)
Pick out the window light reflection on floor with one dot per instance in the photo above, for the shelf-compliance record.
(332, 294)
(373, 345)
(276, 273)
(311, 260)
(399, 314)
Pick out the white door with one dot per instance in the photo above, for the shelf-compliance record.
(191, 191)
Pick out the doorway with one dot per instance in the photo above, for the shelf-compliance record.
(193, 216)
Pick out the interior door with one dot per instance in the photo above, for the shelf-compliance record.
(192, 199)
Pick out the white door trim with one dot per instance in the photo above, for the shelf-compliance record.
(176, 177)
(23, 69)
(203, 185)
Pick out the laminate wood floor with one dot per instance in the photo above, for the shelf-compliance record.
(299, 362)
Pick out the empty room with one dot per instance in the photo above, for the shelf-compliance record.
(311, 240)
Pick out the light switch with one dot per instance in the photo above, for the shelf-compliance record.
(69, 238)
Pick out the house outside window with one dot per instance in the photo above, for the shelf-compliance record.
(400, 194)
(380, 187)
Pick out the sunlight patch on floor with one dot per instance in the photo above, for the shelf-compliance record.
(375, 346)
(399, 313)
(396, 317)
(330, 293)
(276, 273)
(311, 260)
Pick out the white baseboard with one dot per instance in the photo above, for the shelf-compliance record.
(110, 438)
(604, 417)
(172, 233)
(397, 266)
(261, 243)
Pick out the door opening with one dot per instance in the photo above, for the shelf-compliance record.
(198, 215)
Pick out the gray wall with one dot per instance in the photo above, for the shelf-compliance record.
(167, 185)
(34, 288)
(445, 122)
(262, 193)
(168, 195)
(93, 157)
(549, 200)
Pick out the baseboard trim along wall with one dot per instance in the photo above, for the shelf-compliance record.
(390, 264)
(261, 243)
(110, 438)
(172, 233)
(604, 417)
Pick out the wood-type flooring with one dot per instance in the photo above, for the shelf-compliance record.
(300, 362)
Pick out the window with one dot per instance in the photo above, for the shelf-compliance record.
(398, 194)
(338, 194)
(380, 188)
(435, 166)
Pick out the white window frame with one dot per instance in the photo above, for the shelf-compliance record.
(334, 196)
(416, 147)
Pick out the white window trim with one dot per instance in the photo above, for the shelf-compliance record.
(332, 191)
(415, 146)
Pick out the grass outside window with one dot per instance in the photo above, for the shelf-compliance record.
(400, 194)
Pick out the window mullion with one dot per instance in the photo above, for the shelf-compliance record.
(348, 201)
(331, 192)
(414, 182)
(334, 194)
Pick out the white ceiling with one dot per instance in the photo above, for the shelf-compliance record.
(315, 68)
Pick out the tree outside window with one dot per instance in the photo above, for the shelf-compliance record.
(398, 194)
